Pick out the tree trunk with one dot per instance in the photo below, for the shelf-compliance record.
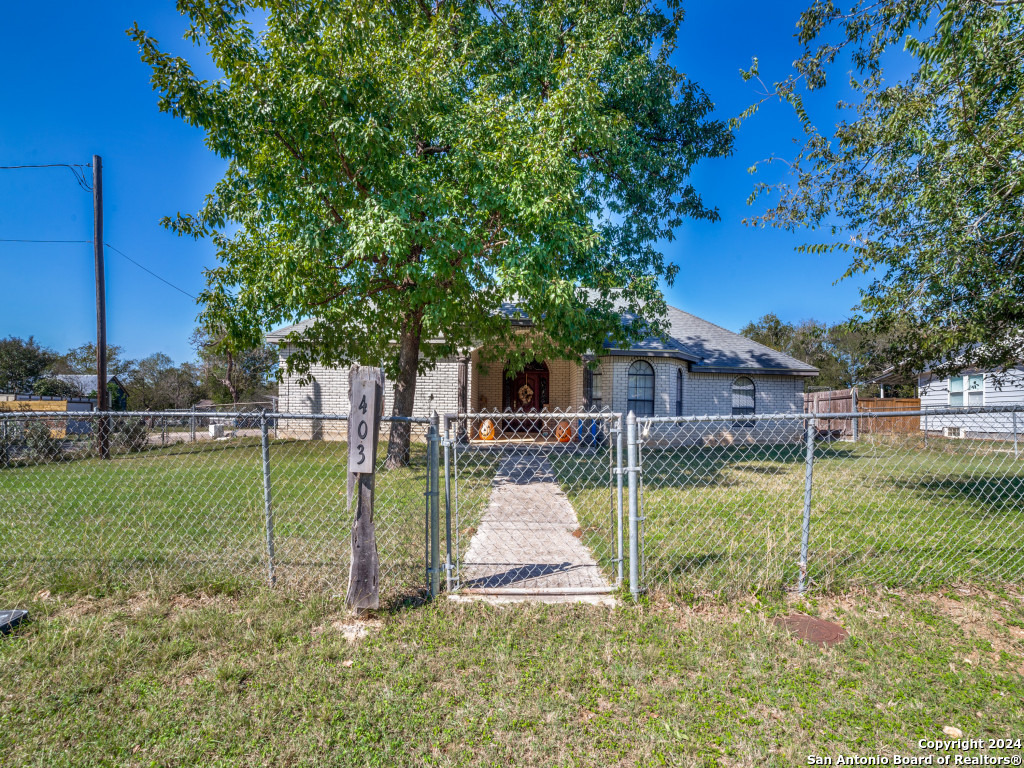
(228, 382)
(405, 390)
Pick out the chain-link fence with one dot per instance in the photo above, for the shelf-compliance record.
(533, 502)
(538, 502)
(239, 497)
(825, 501)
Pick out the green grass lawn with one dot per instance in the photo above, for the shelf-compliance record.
(266, 679)
(194, 514)
(883, 512)
(725, 518)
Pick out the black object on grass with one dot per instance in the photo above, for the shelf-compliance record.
(10, 619)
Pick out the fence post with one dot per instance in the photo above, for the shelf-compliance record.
(433, 485)
(1016, 455)
(163, 430)
(805, 531)
(634, 526)
(192, 425)
(267, 508)
(618, 482)
(856, 420)
(447, 506)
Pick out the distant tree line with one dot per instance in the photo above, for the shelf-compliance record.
(846, 354)
(218, 373)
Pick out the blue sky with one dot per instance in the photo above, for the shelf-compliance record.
(74, 86)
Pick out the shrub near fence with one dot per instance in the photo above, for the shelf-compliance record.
(194, 512)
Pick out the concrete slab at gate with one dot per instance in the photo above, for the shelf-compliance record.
(528, 541)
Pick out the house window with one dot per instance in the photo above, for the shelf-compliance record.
(967, 390)
(679, 391)
(743, 396)
(641, 389)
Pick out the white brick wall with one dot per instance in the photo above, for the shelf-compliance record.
(704, 394)
(438, 389)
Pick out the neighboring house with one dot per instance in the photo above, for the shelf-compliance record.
(86, 384)
(700, 369)
(971, 388)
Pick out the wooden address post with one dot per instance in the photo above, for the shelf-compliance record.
(366, 406)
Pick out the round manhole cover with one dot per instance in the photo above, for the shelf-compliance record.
(812, 630)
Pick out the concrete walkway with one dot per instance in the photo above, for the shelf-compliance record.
(527, 537)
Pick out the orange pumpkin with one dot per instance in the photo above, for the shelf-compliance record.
(563, 432)
(487, 430)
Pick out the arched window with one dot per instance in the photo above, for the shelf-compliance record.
(743, 397)
(641, 389)
(679, 391)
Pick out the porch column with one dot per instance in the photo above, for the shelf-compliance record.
(588, 382)
(463, 392)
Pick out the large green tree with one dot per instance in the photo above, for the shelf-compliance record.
(846, 354)
(402, 170)
(231, 374)
(156, 383)
(22, 363)
(923, 185)
(82, 360)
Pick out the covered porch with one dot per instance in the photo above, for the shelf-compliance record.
(526, 407)
(545, 386)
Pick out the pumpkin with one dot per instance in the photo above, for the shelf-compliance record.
(563, 432)
(487, 430)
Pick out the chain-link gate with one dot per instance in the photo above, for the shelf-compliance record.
(533, 502)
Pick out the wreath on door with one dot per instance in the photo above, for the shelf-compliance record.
(526, 394)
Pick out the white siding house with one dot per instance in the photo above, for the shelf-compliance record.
(968, 389)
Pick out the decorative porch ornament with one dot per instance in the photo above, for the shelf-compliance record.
(526, 395)
(563, 432)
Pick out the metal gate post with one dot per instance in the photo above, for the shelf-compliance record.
(447, 506)
(634, 526)
(618, 481)
(267, 508)
(433, 485)
(192, 425)
(805, 531)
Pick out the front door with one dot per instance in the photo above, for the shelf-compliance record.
(527, 392)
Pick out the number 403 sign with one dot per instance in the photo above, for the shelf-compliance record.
(362, 442)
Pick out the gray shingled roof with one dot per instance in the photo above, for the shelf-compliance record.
(84, 382)
(711, 348)
(282, 333)
(708, 347)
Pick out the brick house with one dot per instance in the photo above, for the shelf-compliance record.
(701, 369)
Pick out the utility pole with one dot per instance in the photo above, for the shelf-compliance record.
(102, 436)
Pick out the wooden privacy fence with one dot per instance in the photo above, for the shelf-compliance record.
(847, 401)
(832, 401)
(890, 424)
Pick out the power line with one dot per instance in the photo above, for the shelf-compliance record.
(75, 168)
(115, 250)
(15, 240)
(154, 274)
